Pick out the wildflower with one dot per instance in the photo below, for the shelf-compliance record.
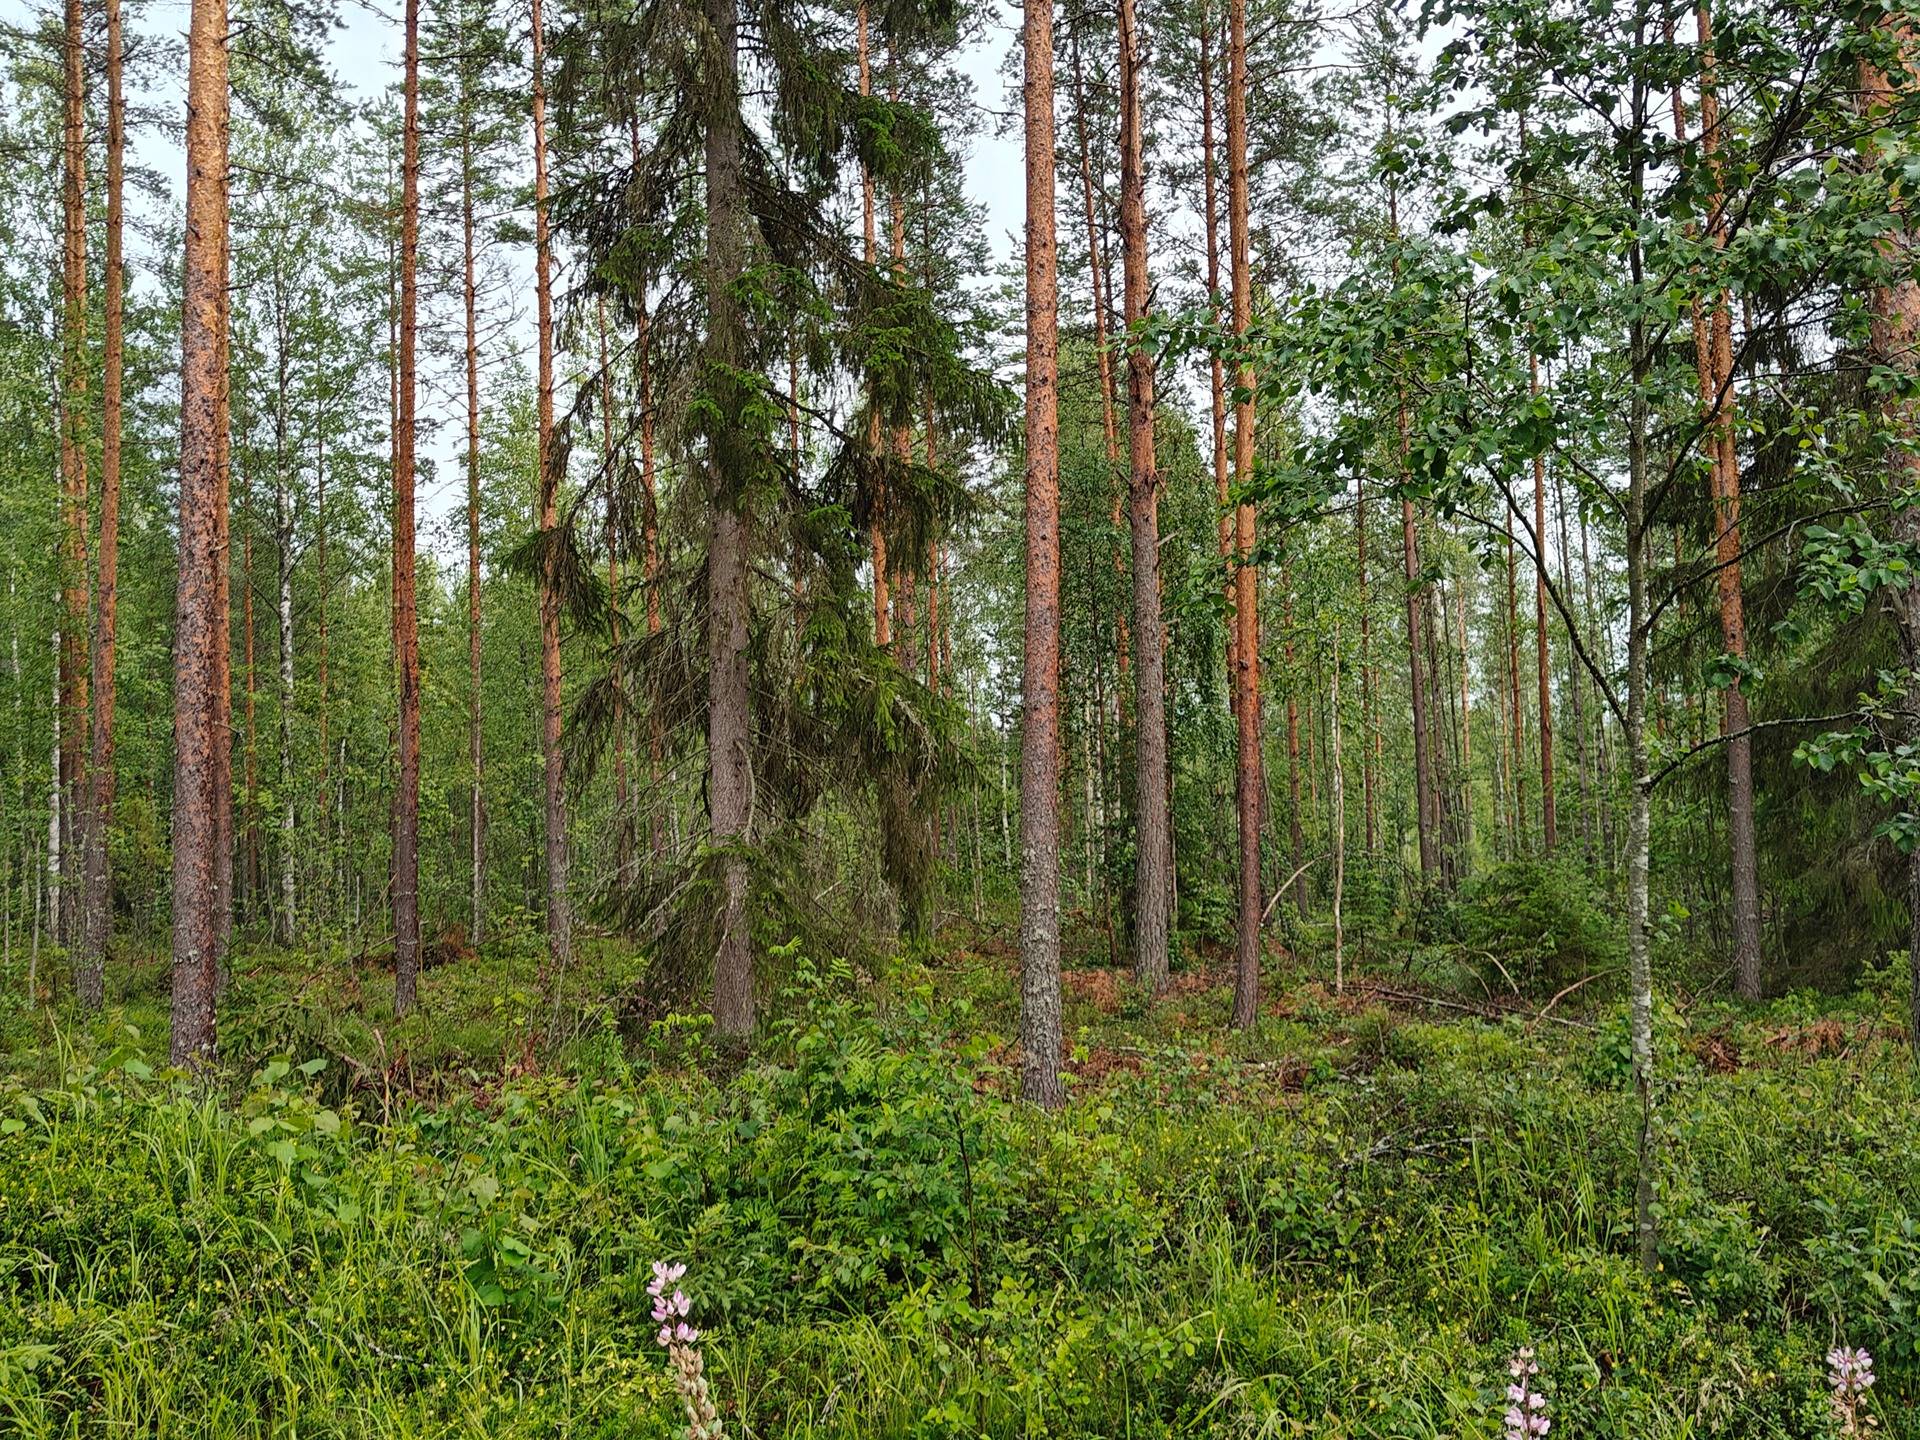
(679, 1340)
(1526, 1417)
(1850, 1376)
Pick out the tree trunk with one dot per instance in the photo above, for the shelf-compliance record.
(1337, 780)
(1040, 1021)
(882, 603)
(406, 611)
(1153, 873)
(283, 560)
(1895, 345)
(1217, 376)
(470, 303)
(197, 627)
(1369, 814)
(1639, 624)
(73, 459)
(730, 774)
(622, 811)
(1250, 769)
(1742, 845)
(97, 926)
(650, 562)
(559, 912)
(1296, 832)
(1424, 806)
(1549, 817)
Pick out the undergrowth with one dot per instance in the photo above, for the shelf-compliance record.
(1341, 1226)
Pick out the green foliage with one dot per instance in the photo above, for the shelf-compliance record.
(1539, 924)
(883, 1244)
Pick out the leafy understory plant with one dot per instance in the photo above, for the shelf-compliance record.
(1850, 1376)
(681, 1342)
(1526, 1416)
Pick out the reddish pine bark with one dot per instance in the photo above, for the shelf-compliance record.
(1742, 843)
(97, 923)
(1895, 345)
(1040, 1022)
(1250, 770)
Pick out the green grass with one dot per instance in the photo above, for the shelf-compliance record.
(1338, 1226)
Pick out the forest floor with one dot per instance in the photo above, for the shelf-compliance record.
(1339, 1225)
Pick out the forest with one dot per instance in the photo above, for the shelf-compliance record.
(951, 719)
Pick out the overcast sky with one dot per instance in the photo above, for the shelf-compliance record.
(365, 54)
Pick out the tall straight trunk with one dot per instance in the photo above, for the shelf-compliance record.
(55, 806)
(97, 925)
(1296, 833)
(903, 620)
(1108, 424)
(1549, 818)
(322, 679)
(882, 602)
(1742, 845)
(1466, 721)
(470, 306)
(1895, 345)
(1516, 726)
(559, 911)
(406, 610)
(197, 627)
(1040, 1022)
(730, 773)
(283, 563)
(1153, 864)
(1603, 742)
(1337, 781)
(622, 812)
(1425, 808)
(249, 895)
(650, 571)
(73, 454)
(1639, 623)
(1369, 819)
(1425, 818)
(1576, 695)
(1217, 370)
(1250, 767)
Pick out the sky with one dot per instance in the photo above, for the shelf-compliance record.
(365, 54)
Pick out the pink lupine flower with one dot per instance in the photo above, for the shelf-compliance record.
(679, 1339)
(1850, 1376)
(1526, 1417)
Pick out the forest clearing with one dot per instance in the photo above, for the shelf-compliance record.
(936, 718)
